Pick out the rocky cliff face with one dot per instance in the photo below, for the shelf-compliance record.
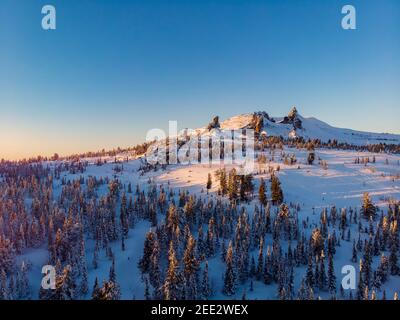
(293, 118)
(214, 124)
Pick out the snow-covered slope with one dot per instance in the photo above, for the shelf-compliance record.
(314, 188)
(291, 126)
(335, 183)
(310, 128)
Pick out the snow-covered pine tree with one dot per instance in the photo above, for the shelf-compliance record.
(84, 289)
(331, 277)
(230, 277)
(209, 182)
(276, 191)
(190, 269)
(96, 290)
(3, 286)
(144, 262)
(393, 264)
(260, 263)
(262, 197)
(368, 209)
(173, 284)
(206, 290)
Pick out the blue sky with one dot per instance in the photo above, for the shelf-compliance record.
(112, 70)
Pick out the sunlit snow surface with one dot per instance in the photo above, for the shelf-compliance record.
(313, 187)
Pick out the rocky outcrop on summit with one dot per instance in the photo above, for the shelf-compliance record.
(264, 115)
(256, 123)
(258, 120)
(293, 118)
(291, 126)
(214, 124)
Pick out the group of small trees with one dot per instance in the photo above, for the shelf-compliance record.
(236, 187)
(241, 187)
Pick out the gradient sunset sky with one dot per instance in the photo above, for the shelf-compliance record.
(112, 70)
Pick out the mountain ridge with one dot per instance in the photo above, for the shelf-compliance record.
(294, 125)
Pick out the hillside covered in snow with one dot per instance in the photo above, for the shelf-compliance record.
(117, 227)
(294, 125)
(291, 127)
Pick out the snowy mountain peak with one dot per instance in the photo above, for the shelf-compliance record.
(214, 124)
(291, 126)
(293, 113)
(293, 118)
(294, 125)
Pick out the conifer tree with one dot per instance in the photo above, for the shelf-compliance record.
(229, 278)
(260, 263)
(252, 267)
(113, 279)
(144, 262)
(311, 157)
(331, 277)
(394, 268)
(206, 290)
(96, 289)
(367, 268)
(190, 269)
(233, 185)
(267, 276)
(23, 286)
(309, 273)
(262, 193)
(65, 287)
(290, 285)
(354, 254)
(209, 182)
(276, 191)
(360, 283)
(154, 272)
(368, 209)
(302, 292)
(3, 286)
(172, 288)
(95, 258)
(84, 282)
(109, 291)
(146, 289)
(322, 275)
